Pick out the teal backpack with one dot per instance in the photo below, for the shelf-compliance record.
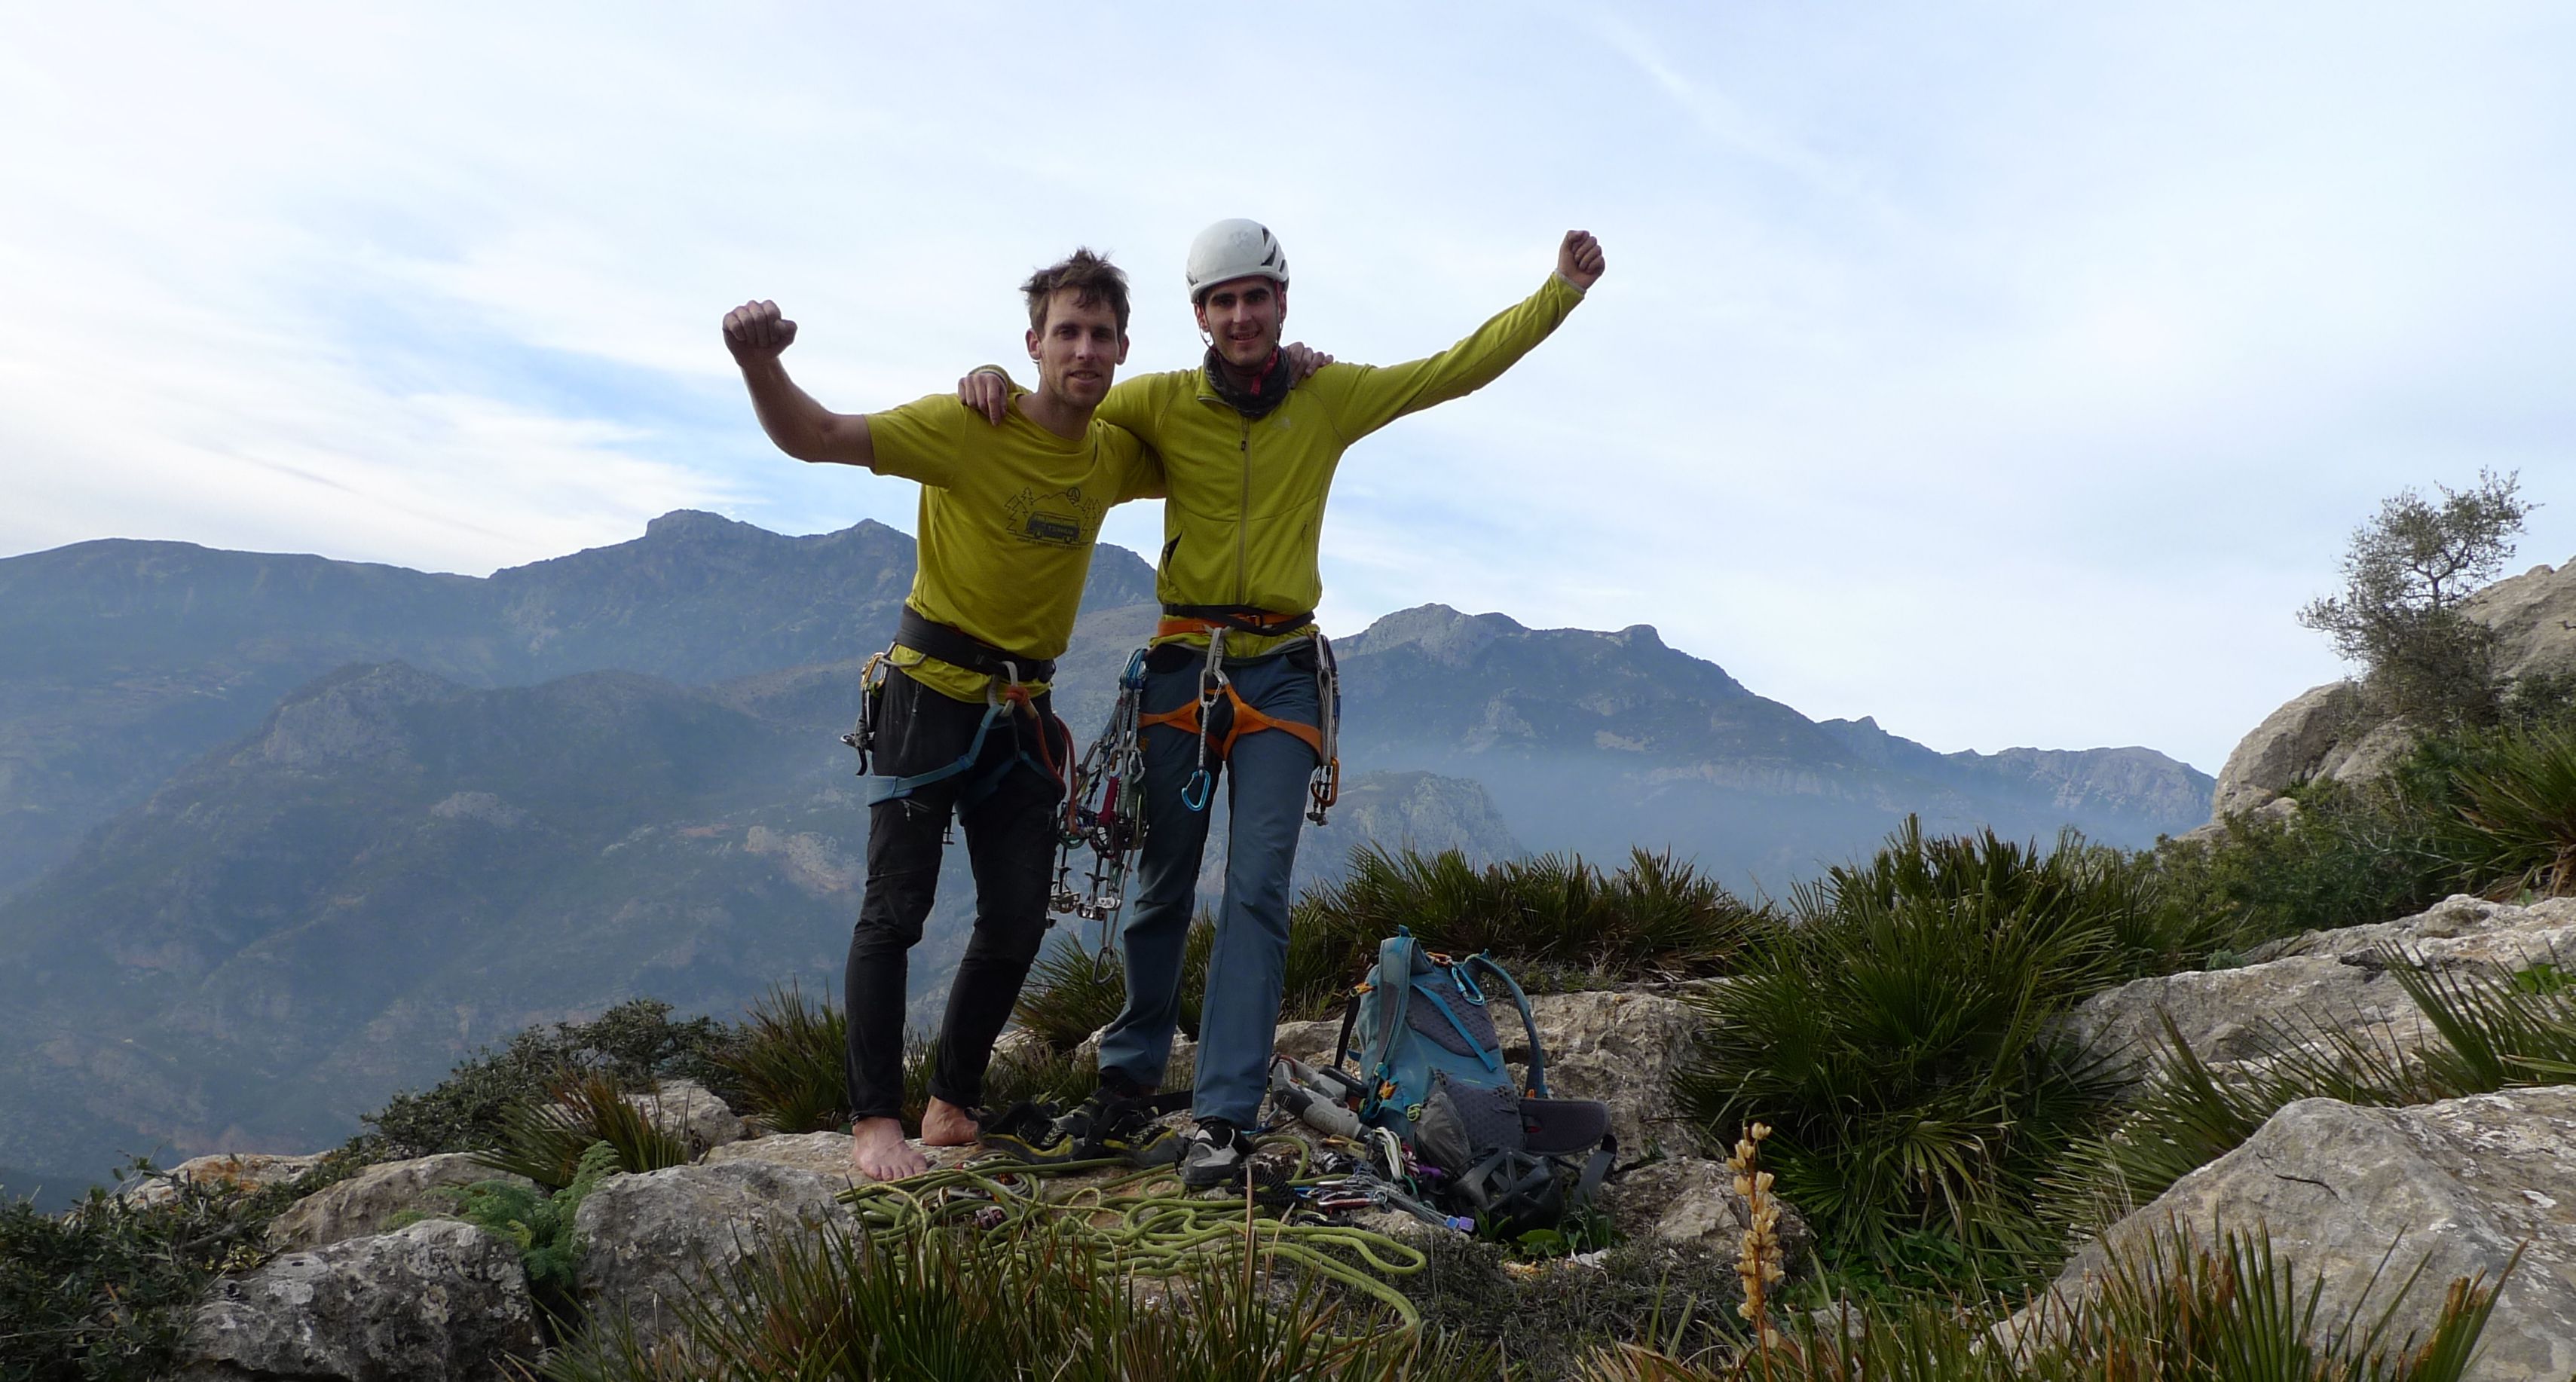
(1431, 1070)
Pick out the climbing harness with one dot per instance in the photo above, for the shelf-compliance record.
(1006, 698)
(1219, 716)
(1105, 810)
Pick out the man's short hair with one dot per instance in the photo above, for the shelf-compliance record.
(1093, 280)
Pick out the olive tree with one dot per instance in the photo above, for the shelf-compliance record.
(2405, 574)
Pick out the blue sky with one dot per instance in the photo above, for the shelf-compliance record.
(2008, 372)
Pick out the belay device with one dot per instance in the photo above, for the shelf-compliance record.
(1431, 1073)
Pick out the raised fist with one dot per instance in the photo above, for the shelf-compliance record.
(755, 331)
(1579, 259)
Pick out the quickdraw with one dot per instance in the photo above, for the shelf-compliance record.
(1105, 810)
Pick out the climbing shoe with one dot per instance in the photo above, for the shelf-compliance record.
(1105, 1125)
(1132, 1131)
(1215, 1153)
(1026, 1133)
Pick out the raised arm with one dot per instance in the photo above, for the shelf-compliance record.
(1364, 398)
(803, 428)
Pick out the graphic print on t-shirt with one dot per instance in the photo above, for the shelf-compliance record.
(1058, 518)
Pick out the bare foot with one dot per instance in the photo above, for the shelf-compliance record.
(944, 1124)
(878, 1151)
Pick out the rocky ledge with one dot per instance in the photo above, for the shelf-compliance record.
(2459, 1185)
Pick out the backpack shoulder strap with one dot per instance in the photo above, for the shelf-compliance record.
(1529, 1022)
(1394, 980)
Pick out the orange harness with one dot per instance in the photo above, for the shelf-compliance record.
(1190, 717)
(1245, 720)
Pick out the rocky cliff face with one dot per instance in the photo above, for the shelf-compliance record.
(2328, 732)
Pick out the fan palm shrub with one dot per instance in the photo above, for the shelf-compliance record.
(784, 1063)
(1555, 919)
(2172, 1306)
(545, 1140)
(1900, 1040)
(997, 1306)
(2521, 804)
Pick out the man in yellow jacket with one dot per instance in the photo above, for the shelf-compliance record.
(1232, 691)
(961, 725)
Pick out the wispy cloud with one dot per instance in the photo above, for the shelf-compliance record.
(2008, 374)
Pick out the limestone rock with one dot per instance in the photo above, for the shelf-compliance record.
(436, 1301)
(1692, 1200)
(686, 1110)
(2458, 1184)
(2282, 809)
(825, 1153)
(226, 1170)
(650, 1240)
(2534, 617)
(2370, 755)
(366, 1202)
(2327, 978)
(2286, 747)
(1620, 1046)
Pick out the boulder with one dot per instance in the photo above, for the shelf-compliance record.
(2287, 746)
(367, 1202)
(650, 1240)
(2323, 978)
(2534, 618)
(436, 1301)
(685, 1110)
(2457, 1185)
(2281, 809)
(1692, 1200)
(1620, 1046)
(223, 1171)
(2370, 754)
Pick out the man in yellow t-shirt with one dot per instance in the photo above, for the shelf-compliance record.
(963, 724)
(1250, 446)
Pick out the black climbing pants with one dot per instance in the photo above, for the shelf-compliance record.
(1010, 843)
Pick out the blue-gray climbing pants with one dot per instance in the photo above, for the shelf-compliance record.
(1265, 785)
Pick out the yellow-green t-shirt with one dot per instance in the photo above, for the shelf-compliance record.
(1008, 518)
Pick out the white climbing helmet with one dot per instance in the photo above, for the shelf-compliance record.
(1233, 249)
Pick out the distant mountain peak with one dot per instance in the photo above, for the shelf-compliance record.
(682, 524)
(1438, 630)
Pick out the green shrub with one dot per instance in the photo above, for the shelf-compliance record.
(550, 1140)
(540, 1223)
(998, 1306)
(786, 1062)
(2171, 1307)
(1554, 920)
(1899, 1039)
(2521, 803)
(1072, 991)
(633, 1043)
(103, 1291)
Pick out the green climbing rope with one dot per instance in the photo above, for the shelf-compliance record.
(1144, 1224)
